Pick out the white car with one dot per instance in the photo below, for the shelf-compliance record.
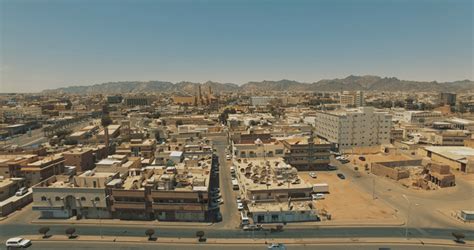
(228, 157)
(21, 191)
(313, 175)
(18, 242)
(278, 246)
(240, 206)
(318, 196)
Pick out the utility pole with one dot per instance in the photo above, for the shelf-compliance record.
(373, 188)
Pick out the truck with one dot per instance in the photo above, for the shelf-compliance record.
(320, 188)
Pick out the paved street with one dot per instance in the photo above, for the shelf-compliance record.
(229, 208)
(80, 246)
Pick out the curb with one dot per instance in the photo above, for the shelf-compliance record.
(157, 224)
(137, 223)
(364, 241)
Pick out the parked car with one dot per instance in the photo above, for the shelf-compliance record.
(18, 242)
(21, 191)
(240, 206)
(277, 246)
(341, 176)
(342, 159)
(318, 196)
(219, 216)
(239, 200)
(228, 157)
(256, 227)
(313, 175)
(219, 201)
(331, 167)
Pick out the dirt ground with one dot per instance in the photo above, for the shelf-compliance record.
(346, 202)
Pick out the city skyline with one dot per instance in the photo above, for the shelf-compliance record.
(51, 44)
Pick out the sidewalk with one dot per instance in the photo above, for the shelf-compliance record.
(117, 222)
(344, 223)
(294, 225)
(245, 241)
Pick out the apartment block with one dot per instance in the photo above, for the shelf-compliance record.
(80, 158)
(170, 193)
(307, 153)
(362, 127)
(352, 98)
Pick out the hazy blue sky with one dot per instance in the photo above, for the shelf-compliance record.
(49, 44)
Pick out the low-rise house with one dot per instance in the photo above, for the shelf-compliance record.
(273, 191)
(62, 196)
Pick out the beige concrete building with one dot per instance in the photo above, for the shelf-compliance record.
(362, 127)
(62, 196)
(352, 99)
(458, 158)
(307, 153)
(273, 191)
(80, 158)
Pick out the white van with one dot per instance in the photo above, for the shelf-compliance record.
(18, 242)
(245, 220)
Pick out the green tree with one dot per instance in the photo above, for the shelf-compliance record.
(70, 231)
(43, 231)
(150, 232)
(200, 234)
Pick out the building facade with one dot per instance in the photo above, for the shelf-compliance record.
(362, 127)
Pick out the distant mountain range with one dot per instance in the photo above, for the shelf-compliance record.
(366, 83)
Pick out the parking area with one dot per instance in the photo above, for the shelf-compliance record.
(345, 202)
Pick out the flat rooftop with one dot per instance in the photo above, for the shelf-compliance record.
(301, 140)
(282, 206)
(269, 173)
(453, 153)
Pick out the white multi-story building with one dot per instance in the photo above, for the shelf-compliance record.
(362, 127)
(261, 100)
(416, 116)
(352, 98)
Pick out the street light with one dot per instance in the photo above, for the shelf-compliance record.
(408, 214)
(100, 219)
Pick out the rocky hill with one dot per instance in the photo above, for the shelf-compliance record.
(366, 83)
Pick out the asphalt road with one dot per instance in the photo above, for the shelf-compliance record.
(11, 230)
(229, 208)
(85, 245)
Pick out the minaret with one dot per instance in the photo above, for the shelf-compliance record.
(200, 95)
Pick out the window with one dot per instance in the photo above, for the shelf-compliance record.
(43, 198)
(83, 198)
(57, 198)
(97, 199)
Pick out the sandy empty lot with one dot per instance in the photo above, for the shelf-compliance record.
(346, 202)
